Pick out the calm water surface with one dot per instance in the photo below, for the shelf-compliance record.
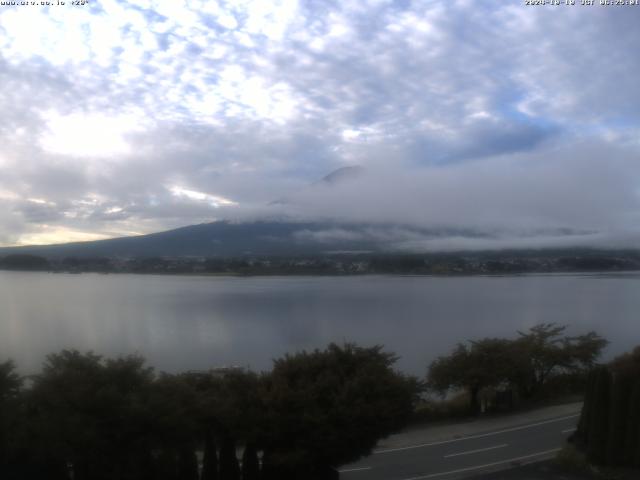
(196, 322)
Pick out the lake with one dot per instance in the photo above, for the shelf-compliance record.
(191, 322)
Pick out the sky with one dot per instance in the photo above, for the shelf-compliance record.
(129, 117)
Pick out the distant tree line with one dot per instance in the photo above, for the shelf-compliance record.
(528, 364)
(460, 263)
(609, 427)
(85, 417)
(24, 262)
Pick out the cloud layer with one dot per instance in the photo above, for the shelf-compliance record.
(126, 117)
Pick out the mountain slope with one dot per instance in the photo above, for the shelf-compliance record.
(220, 239)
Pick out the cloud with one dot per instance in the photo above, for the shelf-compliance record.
(135, 116)
(213, 200)
(93, 136)
(590, 187)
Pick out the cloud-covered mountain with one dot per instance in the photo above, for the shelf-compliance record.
(344, 174)
(289, 238)
(225, 239)
(356, 210)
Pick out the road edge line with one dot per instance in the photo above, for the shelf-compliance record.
(469, 452)
(479, 467)
(472, 437)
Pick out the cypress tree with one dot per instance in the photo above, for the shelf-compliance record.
(145, 466)
(632, 443)
(618, 419)
(167, 465)
(48, 468)
(267, 471)
(598, 428)
(81, 469)
(636, 460)
(229, 468)
(275, 469)
(188, 464)
(210, 459)
(250, 463)
(582, 431)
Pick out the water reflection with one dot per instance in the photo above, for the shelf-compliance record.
(196, 322)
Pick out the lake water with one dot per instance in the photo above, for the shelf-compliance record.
(189, 322)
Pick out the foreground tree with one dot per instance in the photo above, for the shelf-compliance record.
(609, 427)
(89, 413)
(624, 433)
(481, 364)
(174, 428)
(229, 466)
(230, 411)
(546, 350)
(89, 418)
(330, 407)
(210, 458)
(250, 463)
(10, 383)
(527, 362)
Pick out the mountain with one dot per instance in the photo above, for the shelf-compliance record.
(285, 238)
(339, 176)
(229, 239)
(343, 174)
(221, 239)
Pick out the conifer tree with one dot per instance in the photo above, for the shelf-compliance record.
(167, 465)
(188, 464)
(632, 441)
(229, 468)
(618, 419)
(210, 459)
(582, 431)
(250, 463)
(598, 428)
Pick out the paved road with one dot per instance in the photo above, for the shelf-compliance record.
(466, 456)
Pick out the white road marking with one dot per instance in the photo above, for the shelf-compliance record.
(360, 469)
(569, 430)
(479, 467)
(471, 437)
(476, 451)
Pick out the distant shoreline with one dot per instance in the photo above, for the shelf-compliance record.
(431, 264)
(337, 275)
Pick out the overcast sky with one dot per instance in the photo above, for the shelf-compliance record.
(127, 117)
